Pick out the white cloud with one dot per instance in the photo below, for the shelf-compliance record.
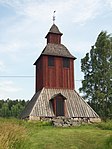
(9, 90)
(9, 47)
(87, 10)
(79, 11)
(8, 87)
(2, 66)
(21, 32)
(109, 2)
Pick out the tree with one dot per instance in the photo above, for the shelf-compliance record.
(5, 112)
(12, 108)
(97, 69)
(16, 110)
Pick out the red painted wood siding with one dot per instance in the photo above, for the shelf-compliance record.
(55, 76)
(39, 74)
(54, 38)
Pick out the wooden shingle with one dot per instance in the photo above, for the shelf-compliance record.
(40, 105)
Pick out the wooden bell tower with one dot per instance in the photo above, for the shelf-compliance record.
(55, 93)
(55, 66)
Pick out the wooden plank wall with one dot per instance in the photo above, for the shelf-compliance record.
(54, 76)
(54, 38)
(57, 76)
(39, 74)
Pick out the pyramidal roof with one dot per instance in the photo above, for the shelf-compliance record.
(57, 50)
(40, 105)
(54, 29)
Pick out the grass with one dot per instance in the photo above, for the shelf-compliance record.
(13, 135)
(18, 134)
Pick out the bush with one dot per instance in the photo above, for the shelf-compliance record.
(105, 125)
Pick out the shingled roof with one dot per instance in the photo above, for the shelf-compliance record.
(57, 50)
(30, 105)
(40, 105)
(54, 29)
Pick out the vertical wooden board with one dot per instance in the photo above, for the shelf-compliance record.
(36, 76)
(53, 78)
(59, 77)
(65, 78)
(70, 73)
(46, 74)
(39, 74)
(64, 83)
(44, 70)
(72, 76)
(61, 74)
(56, 69)
(69, 78)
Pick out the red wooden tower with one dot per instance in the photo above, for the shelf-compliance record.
(55, 66)
(55, 94)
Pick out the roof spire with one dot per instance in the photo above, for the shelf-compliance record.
(54, 17)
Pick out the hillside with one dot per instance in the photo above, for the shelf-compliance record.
(17, 134)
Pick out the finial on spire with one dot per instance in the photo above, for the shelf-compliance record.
(54, 17)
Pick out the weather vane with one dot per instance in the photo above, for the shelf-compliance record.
(54, 17)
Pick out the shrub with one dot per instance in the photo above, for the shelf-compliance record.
(105, 125)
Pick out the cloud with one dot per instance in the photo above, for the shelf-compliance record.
(2, 66)
(8, 87)
(80, 11)
(23, 29)
(109, 3)
(9, 47)
(87, 10)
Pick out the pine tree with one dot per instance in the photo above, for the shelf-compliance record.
(97, 69)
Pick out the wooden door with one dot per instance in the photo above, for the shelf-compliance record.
(59, 107)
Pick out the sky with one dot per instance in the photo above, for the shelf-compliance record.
(23, 27)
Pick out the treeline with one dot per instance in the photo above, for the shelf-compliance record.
(11, 108)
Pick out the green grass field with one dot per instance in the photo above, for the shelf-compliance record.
(17, 134)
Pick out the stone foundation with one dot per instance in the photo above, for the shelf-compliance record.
(67, 122)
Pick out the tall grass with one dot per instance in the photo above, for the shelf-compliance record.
(17, 134)
(13, 136)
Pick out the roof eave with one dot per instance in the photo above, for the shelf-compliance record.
(54, 33)
(72, 57)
